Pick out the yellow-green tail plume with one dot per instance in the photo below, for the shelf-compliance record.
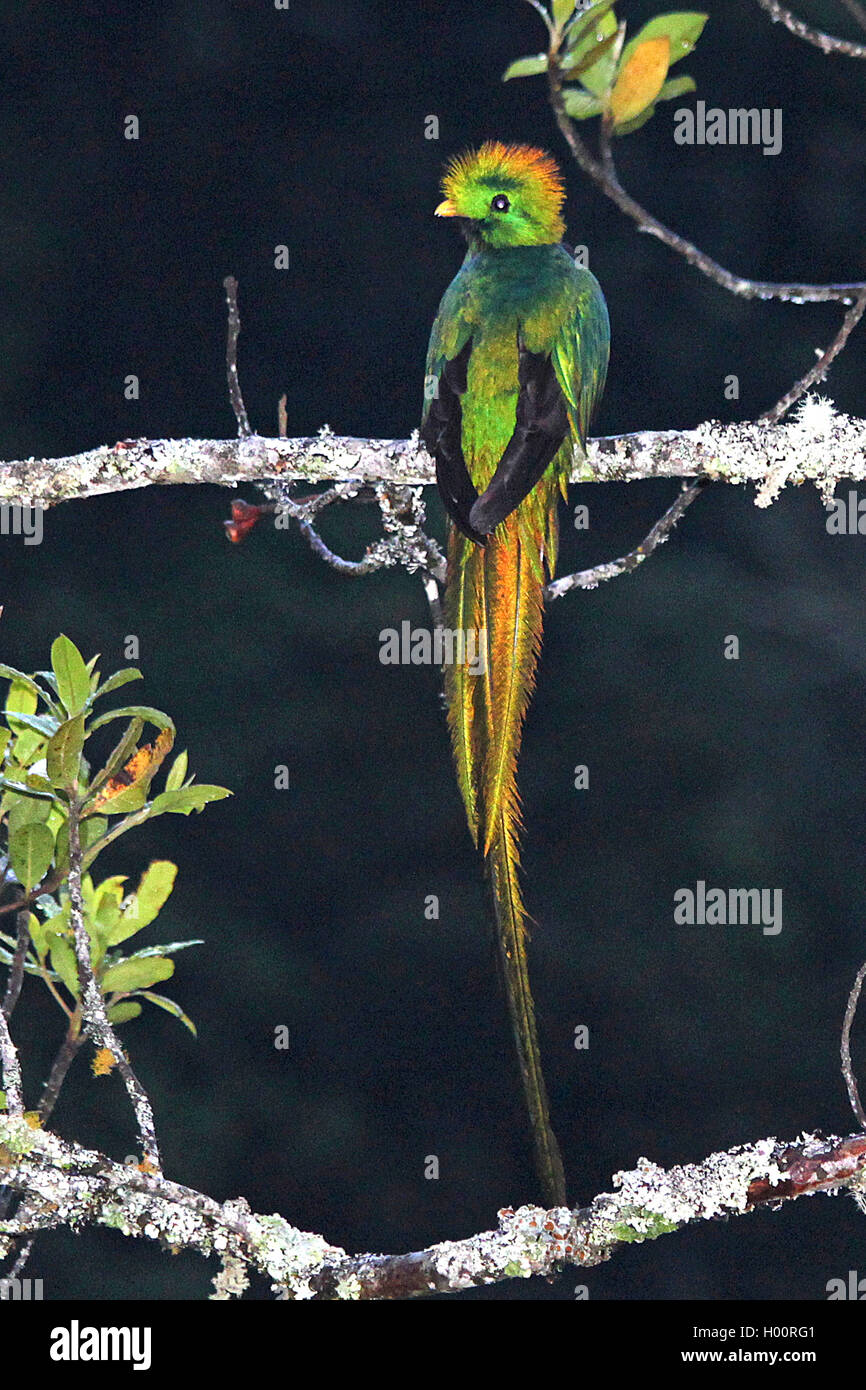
(496, 590)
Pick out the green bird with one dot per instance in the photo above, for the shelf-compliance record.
(515, 371)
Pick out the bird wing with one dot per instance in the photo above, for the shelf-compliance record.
(558, 391)
(442, 419)
(580, 354)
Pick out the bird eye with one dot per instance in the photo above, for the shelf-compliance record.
(500, 203)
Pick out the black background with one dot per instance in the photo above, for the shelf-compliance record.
(306, 127)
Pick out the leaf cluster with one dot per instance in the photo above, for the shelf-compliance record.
(606, 76)
(46, 778)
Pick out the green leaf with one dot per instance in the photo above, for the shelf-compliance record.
(177, 773)
(25, 809)
(31, 851)
(588, 22)
(132, 974)
(598, 77)
(168, 948)
(154, 716)
(24, 694)
(574, 65)
(170, 1007)
(526, 67)
(23, 789)
(122, 1013)
(123, 677)
(626, 127)
(676, 87)
(187, 799)
(36, 782)
(132, 799)
(682, 27)
(149, 898)
(64, 962)
(73, 677)
(5, 736)
(38, 935)
(106, 908)
(562, 10)
(42, 724)
(580, 104)
(63, 755)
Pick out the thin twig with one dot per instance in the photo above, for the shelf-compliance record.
(646, 222)
(96, 1023)
(17, 1267)
(847, 1068)
(16, 969)
(819, 370)
(827, 43)
(234, 328)
(62, 1062)
(591, 578)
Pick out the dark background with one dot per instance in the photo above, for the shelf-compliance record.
(306, 127)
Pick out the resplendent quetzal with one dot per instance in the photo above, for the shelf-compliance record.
(515, 369)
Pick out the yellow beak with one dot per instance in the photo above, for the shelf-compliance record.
(445, 209)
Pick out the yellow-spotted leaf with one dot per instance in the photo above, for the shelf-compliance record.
(640, 79)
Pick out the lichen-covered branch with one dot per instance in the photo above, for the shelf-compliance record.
(63, 1185)
(816, 444)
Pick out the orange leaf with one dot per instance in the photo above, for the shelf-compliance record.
(641, 79)
(141, 768)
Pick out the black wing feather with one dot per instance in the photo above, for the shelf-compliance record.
(441, 435)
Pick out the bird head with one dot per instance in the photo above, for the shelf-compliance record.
(505, 195)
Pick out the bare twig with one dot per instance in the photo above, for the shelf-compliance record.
(65, 1185)
(828, 43)
(847, 1068)
(234, 328)
(96, 1023)
(819, 370)
(66, 1055)
(591, 578)
(16, 969)
(793, 293)
(17, 1267)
